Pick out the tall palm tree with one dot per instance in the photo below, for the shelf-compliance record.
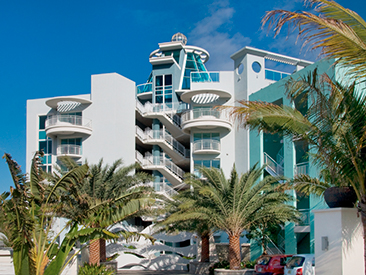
(340, 33)
(334, 126)
(234, 204)
(179, 217)
(112, 193)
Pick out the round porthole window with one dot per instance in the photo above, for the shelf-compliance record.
(240, 69)
(256, 67)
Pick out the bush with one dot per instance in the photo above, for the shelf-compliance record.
(94, 269)
(248, 264)
(223, 264)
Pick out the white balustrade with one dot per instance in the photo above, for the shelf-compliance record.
(68, 119)
(206, 144)
(272, 164)
(69, 149)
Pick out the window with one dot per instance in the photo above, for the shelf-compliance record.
(200, 136)
(210, 163)
(164, 89)
(45, 145)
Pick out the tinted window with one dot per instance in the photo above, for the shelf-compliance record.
(295, 262)
(263, 260)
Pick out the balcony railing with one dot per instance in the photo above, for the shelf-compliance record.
(206, 144)
(205, 76)
(163, 135)
(304, 217)
(144, 88)
(68, 119)
(272, 164)
(302, 168)
(69, 149)
(275, 75)
(199, 113)
(150, 161)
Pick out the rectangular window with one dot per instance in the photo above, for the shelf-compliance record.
(42, 122)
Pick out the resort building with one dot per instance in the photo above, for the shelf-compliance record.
(169, 125)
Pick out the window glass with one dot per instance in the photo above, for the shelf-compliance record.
(206, 136)
(216, 163)
(49, 147)
(216, 136)
(206, 163)
(196, 137)
(159, 80)
(168, 80)
(42, 122)
(42, 146)
(42, 135)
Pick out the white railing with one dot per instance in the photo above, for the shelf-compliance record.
(163, 187)
(202, 113)
(206, 144)
(69, 119)
(302, 168)
(163, 135)
(272, 164)
(205, 76)
(69, 149)
(151, 161)
(169, 110)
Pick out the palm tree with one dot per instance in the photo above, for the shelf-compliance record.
(179, 218)
(234, 204)
(112, 194)
(334, 126)
(340, 33)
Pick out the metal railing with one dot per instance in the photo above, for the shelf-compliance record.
(205, 76)
(69, 119)
(69, 149)
(163, 135)
(201, 113)
(169, 110)
(302, 168)
(163, 187)
(272, 248)
(206, 144)
(144, 88)
(152, 161)
(304, 217)
(272, 164)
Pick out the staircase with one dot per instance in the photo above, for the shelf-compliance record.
(273, 168)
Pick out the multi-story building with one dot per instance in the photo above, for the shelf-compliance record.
(169, 124)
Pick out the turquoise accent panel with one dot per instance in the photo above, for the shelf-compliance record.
(255, 250)
(42, 135)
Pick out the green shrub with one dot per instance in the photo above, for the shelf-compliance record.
(94, 269)
(223, 264)
(248, 264)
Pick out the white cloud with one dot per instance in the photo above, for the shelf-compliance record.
(211, 33)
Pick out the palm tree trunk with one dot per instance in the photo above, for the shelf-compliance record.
(102, 255)
(234, 251)
(205, 250)
(94, 252)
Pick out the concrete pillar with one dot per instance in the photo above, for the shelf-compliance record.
(339, 248)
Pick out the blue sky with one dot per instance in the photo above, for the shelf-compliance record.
(51, 48)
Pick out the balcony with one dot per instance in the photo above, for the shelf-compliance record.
(144, 91)
(70, 150)
(67, 125)
(204, 118)
(302, 168)
(206, 146)
(275, 75)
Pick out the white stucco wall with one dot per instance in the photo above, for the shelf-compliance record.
(345, 254)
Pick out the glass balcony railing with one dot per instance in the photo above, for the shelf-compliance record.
(302, 168)
(205, 76)
(144, 88)
(200, 112)
(274, 75)
(304, 217)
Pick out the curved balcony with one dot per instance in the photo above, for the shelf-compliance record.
(67, 125)
(70, 150)
(144, 91)
(204, 118)
(206, 146)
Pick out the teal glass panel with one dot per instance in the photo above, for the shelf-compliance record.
(215, 77)
(216, 163)
(42, 122)
(284, 75)
(269, 74)
(42, 146)
(159, 99)
(159, 80)
(197, 137)
(277, 76)
(190, 65)
(49, 159)
(168, 80)
(78, 141)
(186, 83)
(206, 163)
(187, 72)
(42, 135)
(206, 136)
(49, 147)
(215, 136)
